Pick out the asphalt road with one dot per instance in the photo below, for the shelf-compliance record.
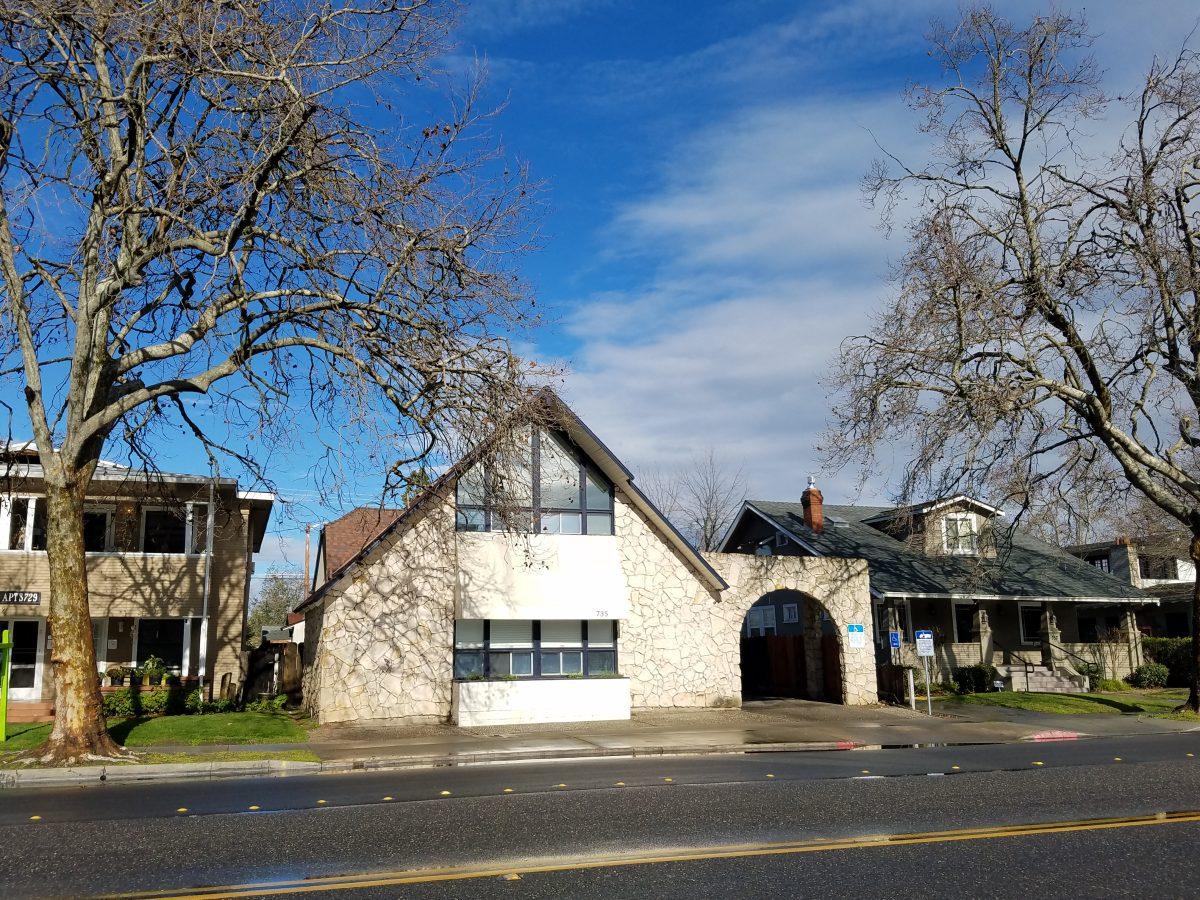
(796, 824)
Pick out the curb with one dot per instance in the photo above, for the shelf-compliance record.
(82, 776)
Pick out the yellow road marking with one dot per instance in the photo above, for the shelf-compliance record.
(508, 790)
(560, 785)
(322, 802)
(1039, 763)
(181, 809)
(254, 807)
(388, 798)
(1116, 759)
(866, 771)
(445, 793)
(668, 779)
(620, 784)
(769, 775)
(955, 768)
(1191, 754)
(35, 818)
(416, 876)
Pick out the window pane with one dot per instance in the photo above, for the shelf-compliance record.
(601, 662)
(599, 493)
(468, 663)
(199, 528)
(600, 633)
(162, 638)
(95, 531)
(572, 662)
(551, 664)
(560, 475)
(470, 520)
(39, 524)
(19, 523)
(561, 523)
(468, 632)
(163, 531)
(562, 633)
(522, 663)
(512, 633)
(500, 663)
(599, 524)
(470, 487)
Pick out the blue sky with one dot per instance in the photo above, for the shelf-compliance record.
(704, 242)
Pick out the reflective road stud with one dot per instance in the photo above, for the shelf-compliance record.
(1039, 763)
(181, 809)
(253, 807)
(387, 798)
(35, 818)
(445, 793)
(508, 790)
(322, 802)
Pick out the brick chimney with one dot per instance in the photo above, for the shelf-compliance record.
(814, 514)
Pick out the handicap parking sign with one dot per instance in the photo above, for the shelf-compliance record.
(894, 639)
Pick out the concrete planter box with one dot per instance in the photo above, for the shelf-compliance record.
(540, 700)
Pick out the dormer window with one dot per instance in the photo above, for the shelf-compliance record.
(960, 534)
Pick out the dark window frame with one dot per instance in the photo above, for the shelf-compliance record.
(492, 521)
(583, 647)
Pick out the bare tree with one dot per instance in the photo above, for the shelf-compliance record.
(1045, 330)
(236, 200)
(701, 498)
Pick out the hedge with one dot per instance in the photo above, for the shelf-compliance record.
(1175, 654)
(974, 679)
(133, 701)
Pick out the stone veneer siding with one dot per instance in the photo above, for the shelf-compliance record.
(381, 645)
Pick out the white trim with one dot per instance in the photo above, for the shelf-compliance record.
(101, 643)
(184, 666)
(1148, 601)
(202, 663)
(35, 692)
(930, 506)
(1021, 621)
(188, 527)
(956, 550)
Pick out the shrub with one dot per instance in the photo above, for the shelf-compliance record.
(1175, 654)
(122, 704)
(268, 704)
(1111, 685)
(974, 679)
(1149, 675)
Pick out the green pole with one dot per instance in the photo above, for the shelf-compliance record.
(5, 656)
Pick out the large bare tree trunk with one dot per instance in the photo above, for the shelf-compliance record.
(79, 733)
(1193, 700)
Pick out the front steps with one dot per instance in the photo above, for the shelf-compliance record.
(38, 711)
(1040, 679)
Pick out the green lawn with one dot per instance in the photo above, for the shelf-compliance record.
(212, 728)
(1148, 702)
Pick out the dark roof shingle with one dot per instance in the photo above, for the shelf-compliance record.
(1023, 566)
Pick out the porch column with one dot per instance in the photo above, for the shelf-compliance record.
(987, 643)
(893, 624)
(187, 647)
(1049, 635)
(202, 670)
(1133, 637)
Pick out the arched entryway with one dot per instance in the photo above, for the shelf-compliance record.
(790, 648)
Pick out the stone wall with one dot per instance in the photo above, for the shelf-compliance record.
(841, 586)
(382, 643)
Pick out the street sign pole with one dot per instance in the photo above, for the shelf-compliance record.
(925, 650)
(5, 658)
(928, 687)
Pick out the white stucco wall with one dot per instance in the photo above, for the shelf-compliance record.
(539, 576)
(546, 700)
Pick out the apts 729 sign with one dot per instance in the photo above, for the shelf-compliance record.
(20, 598)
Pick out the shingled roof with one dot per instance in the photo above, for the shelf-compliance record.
(343, 538)
(1023, 566)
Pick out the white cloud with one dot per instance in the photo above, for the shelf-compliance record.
(764, 256)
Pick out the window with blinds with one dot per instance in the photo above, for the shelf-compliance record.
(521, 648)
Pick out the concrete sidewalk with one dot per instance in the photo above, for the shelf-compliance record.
(760, 726)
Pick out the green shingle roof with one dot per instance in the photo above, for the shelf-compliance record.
(1023, 566)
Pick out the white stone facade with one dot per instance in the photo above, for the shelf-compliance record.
(380, 642)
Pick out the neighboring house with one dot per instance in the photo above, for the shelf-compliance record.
(988, 593)
(1161, 567)
(574, 600)
(153, 588)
